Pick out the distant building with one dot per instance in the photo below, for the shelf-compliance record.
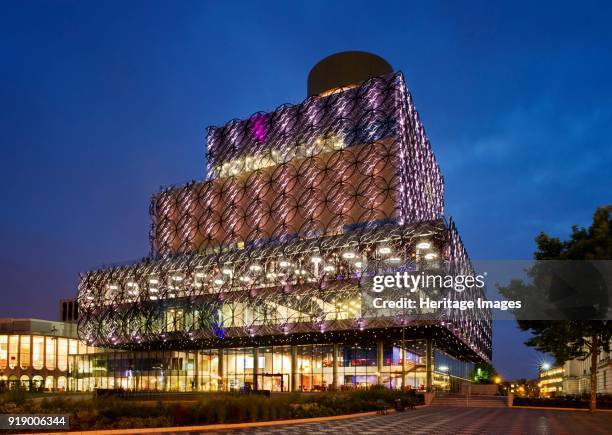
(574, 377)
(69, 310)
(551, 381)
(577, 375)
(522, 387)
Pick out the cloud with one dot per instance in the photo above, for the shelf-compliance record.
(537, 167)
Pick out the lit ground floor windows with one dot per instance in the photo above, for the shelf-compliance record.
(38, 362)
(49, 383)
(410, 364)
(36, 352)
(37, 382)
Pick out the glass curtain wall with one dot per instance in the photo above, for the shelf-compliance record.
(449, 372)
(274, 374)
(315, 367)
(308, 368)
(208, 370)
(359, 366)
(137, 371)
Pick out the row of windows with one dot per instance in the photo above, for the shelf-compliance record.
(239, 314)
(36, 351)
(275, 368)
(37, 382)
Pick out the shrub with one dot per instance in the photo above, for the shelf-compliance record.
(603, 401)
(112, 412)
(16, 395)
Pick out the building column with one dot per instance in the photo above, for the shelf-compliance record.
(380, 362)
(428, 364)
(255, 369)
(18, 359)
(294, 373)
(335, 367)
(44, 358)
(403, 357)
(196, 371)
(221, 370)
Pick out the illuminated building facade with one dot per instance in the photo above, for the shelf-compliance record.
(255, 273)
(577, 375)
(37, 354)
(573, 377)
(551, 382)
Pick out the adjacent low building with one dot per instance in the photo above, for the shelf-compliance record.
(574, 377)
(551, 381)
(36, 354)
(577, 375)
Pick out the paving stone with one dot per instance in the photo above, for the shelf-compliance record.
(452, 420)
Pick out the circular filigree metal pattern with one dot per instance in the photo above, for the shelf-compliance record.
(277, 239)
(320, 167)
(300, 286)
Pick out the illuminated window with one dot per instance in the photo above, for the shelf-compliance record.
(72, 347)
(3, 351)
(13, 348)
(38, 352)
(62, 354)
(37, 381)
(82, 348)
(24, 352)
(50, 353)
(24, 380)
(175, 320)
(62, 383)
(49, 383)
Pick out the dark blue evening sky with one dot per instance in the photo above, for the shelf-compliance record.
(102, 103)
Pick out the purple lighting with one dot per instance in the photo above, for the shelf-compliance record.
(259, 127)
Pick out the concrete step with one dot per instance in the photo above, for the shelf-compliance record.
(459, 400)
(470, 405)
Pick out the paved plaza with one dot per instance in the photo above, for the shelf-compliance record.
(453, 420)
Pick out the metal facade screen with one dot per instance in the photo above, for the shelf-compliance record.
(292, 218)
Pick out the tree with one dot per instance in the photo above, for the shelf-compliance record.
(571, 339)
(484, 373)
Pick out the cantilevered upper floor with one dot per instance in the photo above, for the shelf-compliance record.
(358, 157)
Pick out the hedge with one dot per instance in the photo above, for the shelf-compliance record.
(114, 413)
